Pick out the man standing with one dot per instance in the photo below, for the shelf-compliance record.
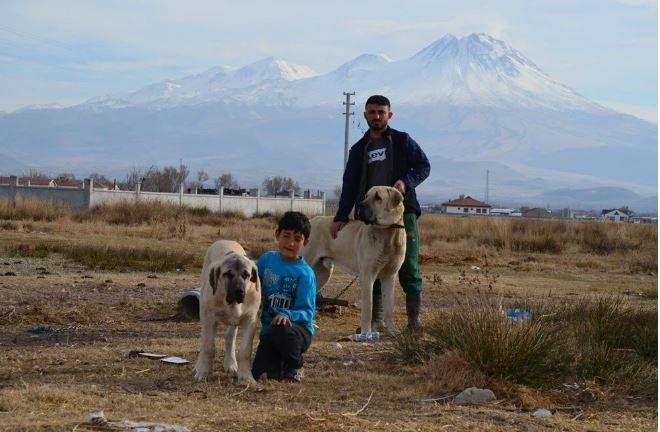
(387, 157)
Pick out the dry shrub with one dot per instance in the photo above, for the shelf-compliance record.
(35, 210)
(639, 262)
(449, 372)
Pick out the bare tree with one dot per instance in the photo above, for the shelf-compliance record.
(227, 180)
(100, 179)
(36, 174)
(201, 177)
(65, 177)
(133, 177)
(279, 185)
(337, 192)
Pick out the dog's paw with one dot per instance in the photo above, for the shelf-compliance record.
(246, 378)
(230, 366)
(203, 373)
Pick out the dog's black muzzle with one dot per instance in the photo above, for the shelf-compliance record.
(364, 213)
(235, 291)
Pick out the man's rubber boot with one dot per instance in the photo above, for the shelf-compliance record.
(377, 323)
(413, 306)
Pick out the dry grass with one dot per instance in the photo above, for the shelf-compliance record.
(50, 381)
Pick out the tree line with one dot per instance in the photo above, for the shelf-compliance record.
(168, 179)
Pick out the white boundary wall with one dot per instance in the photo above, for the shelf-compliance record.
(87, 197)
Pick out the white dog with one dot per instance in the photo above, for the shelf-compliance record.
(371, 250)
(230, 294)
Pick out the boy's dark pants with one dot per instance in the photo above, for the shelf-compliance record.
(281, 350)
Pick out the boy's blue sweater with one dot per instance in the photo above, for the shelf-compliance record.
(287, 288)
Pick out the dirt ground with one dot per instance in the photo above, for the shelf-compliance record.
(50, 381)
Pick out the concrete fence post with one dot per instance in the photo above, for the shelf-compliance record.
(293, 195)
(88, 190)
(258, 198)
(138, 190)
(322, 203)
(222, 192)
(181, 194)
(13, 186)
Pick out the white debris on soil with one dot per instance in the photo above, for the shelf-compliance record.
(98, 419)
(541, 412)
(175, 360)
(474, 396)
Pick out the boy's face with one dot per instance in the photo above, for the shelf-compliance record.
(291, 243)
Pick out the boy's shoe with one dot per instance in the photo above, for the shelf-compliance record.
(293, 375)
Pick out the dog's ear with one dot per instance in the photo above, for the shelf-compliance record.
(254, 278)
(214, 276)
(397, 198)
(255, 275)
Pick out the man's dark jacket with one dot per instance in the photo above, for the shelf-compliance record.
(410, 165)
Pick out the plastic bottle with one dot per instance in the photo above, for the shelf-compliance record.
(365, 337)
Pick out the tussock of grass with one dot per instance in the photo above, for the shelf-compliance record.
(602, 339)
(524, 352)
(36, 210)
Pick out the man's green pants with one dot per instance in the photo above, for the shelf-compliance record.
(409, 277)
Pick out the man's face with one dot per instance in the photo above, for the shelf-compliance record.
(377, 116)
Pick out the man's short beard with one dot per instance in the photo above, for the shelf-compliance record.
(372, 127)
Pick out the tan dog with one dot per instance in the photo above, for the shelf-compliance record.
(372, 250)
(230, 294)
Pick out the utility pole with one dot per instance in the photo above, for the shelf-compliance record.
(487, 185)
(347, 114)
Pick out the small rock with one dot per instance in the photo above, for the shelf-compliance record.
(338, 345)
(152, 277)
(474, 396)
(475, 268)
(10, 273)
(541, 412)
(142, 284)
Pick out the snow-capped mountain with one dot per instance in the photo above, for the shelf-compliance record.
(470, 102)
(476, 70)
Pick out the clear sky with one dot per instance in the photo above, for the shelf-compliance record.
(71, 50)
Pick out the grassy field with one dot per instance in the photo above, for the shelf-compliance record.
(106, 281)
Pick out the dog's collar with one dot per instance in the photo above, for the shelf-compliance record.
(398, 226)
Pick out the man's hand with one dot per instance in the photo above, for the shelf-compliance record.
(335, 228)
(280, 320)
(400, 186)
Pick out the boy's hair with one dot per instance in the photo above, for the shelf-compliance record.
(378, 100)
(295, 221)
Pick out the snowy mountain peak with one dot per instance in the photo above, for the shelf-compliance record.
(275, 68)
(447, 44)
(363, 63)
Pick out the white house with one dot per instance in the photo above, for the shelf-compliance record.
(466, 206)
(616, 215)
(505, 212)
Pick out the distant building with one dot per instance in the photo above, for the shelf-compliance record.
(644, 220)
(466, 206)
(566, 213)
(616, 215)
(537, 213)
(505, 212)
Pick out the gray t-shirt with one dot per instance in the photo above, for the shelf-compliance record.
(378, 165)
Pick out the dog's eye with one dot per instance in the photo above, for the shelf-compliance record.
(377, 197)
(228, 274)
(245, 274)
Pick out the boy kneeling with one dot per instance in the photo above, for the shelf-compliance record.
(288, 298)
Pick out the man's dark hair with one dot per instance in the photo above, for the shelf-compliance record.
(378, 100)
(295, 221)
